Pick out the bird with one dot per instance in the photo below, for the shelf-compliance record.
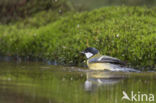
(96, 61)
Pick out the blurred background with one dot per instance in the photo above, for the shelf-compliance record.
(15, 9)
(91, 4)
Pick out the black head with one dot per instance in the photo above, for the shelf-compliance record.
(89, 52)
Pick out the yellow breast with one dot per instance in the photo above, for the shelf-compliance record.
(99, 66)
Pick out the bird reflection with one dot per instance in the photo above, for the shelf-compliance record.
(102, 78)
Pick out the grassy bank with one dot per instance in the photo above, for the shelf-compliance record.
(128, 33)
(19, 9)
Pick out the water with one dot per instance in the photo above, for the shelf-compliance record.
(40, 83)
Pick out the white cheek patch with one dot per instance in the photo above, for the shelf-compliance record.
(88, 55)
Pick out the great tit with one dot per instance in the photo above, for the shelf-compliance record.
(96, 61)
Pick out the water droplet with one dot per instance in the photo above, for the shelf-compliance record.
(9, 79)
(60, 11)
(78, 25)
(81, 75)
(63, 79)
(117, 35)
(71, 78)
(35, 34)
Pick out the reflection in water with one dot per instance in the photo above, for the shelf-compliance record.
(102, 78)
(38, 83)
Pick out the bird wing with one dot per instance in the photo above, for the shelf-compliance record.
(108, 59)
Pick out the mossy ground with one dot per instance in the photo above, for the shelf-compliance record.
(128, 33)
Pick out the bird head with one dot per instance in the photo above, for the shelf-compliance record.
(90, 51)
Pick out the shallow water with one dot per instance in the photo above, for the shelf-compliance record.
(40, 83)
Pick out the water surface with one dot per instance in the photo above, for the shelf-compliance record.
(40, 83)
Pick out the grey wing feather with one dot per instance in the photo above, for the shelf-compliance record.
(108, 59)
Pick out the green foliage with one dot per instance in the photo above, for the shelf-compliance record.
(17, 9)
(128, 33)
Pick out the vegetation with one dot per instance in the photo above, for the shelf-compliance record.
(128, 33)
(19, 9)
